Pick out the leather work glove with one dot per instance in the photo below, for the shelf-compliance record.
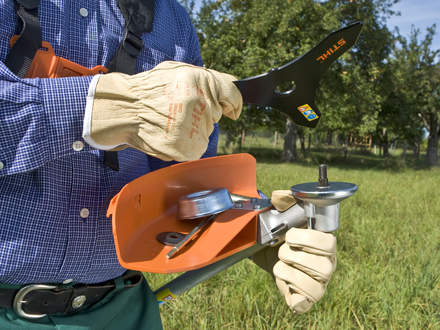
(307, 260)
(168, 112)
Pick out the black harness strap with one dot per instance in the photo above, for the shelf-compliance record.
(138, 16)
(20, 56)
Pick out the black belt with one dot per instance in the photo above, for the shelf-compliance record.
(38, 300)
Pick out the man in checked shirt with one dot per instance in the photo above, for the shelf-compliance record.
(58, 266)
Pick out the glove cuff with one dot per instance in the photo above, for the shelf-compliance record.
(110, 120)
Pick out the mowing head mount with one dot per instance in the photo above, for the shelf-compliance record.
(321, 200)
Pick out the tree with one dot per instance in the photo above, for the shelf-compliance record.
(417, 81)
(357, 85)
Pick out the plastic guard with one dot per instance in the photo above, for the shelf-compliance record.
(147, 206)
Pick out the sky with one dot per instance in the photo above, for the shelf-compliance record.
(420, 13)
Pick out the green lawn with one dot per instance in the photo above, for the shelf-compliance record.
(388, 274)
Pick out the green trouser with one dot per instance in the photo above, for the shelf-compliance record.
(122, 309)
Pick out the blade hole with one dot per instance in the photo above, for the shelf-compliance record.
(285, 88)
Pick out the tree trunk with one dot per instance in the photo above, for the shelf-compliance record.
(329, 138)
(386, 151)
(346, 146)
(385, 143)
(416, 150)
(302, 140)
(289, 152)
(309, 142)
(275, 139)
(243, 137)
(229, 139)
(340, 139)
(432, 151)
(405, 147)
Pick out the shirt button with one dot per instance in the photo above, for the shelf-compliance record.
(84, 213)
(83, 12)
(1, 165)
(77, 145)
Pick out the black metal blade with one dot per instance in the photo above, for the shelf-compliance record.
(305, 71)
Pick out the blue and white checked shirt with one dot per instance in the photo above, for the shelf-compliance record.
(54, 188)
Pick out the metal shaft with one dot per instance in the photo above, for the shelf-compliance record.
(322, 179)
(191, 278)
(293, 217)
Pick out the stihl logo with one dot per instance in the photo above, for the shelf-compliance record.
(331, 51)
(173, 109)
(197, 114)
(184, 97)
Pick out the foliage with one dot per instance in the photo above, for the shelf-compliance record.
(354, 89)
(414, 103)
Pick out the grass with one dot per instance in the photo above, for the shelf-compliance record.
(388, 255)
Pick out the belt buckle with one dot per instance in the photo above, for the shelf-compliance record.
(21, 294)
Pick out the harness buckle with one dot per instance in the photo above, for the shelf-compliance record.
(19, 300)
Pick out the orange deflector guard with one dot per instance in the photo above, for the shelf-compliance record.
(147, 206)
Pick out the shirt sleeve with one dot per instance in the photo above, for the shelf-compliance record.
(40, 120)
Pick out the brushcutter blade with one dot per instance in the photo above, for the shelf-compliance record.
(305, 71)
